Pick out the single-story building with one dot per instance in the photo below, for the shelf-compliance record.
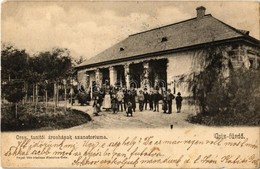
(163, 56)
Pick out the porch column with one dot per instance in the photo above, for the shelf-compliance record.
(87, 80)
(82, 81)
(127, 76)
(156, 81)
(98, 77)
(112, 75)
(145, 81)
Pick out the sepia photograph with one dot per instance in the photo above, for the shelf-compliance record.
(103, 84)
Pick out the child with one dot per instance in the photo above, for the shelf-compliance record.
(178, 102)
(129, 109)
(96, 107)
(114, 103)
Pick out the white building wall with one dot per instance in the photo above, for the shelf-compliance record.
(180, 66)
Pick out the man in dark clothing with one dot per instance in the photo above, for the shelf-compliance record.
(169, 97)
(151, 100)
(100, 99)
(126, 98)
(132, 96)
(114, 103)
(156, 99)
(178, 102)
(146, 98)
(164, 102)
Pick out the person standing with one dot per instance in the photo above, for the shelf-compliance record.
(170, 97)
(107, 101)
(178, 102)
(88, 92)
(151, 95)
(120, 97)
(126, 97)
(140, 98)
(82, 99)
(164, 103)
(99, 98)
(129, 111)
(114, 104)
(96, 106)
(132, 96)
(156, 99)
(146, 98)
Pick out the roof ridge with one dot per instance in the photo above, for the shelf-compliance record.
(229, 26)
(237, 30)
(167, 25)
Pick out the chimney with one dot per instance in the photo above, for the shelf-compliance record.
(200, 12)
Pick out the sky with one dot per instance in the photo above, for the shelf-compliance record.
(87, 28)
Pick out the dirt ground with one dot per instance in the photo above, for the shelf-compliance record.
(144, 119)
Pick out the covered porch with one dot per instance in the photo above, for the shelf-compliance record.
(149, 74)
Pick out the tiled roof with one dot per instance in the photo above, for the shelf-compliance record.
(178, 35)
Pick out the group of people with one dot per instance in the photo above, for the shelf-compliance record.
(121, 99)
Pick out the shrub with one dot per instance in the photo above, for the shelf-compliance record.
(236, 103)
(13, 92)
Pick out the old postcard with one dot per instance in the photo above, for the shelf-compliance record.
(121, 84)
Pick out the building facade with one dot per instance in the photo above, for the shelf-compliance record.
(164, 57)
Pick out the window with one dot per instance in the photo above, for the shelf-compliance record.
(251, 61)
(164, 39)
(121, 49)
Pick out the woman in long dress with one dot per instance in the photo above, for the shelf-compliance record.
(107, 101)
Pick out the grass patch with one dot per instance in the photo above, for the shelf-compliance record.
(41, 119)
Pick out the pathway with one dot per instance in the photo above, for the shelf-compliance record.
(145, 119)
